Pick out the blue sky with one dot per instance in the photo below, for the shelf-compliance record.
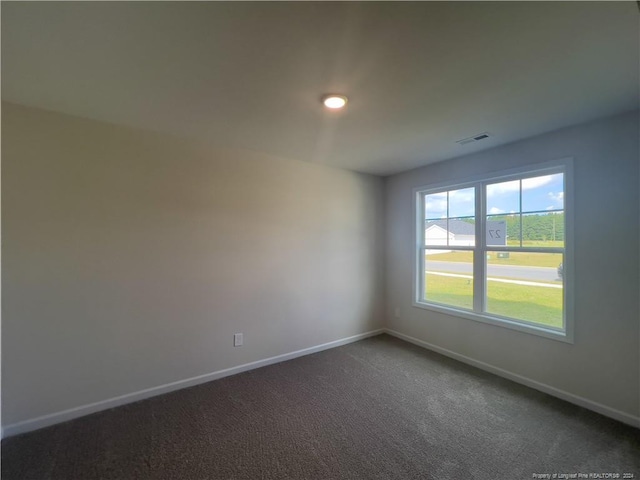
(541, 193)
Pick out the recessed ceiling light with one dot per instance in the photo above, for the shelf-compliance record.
(333, 101)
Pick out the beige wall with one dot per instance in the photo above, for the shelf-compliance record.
(603, 364)
(131, 258)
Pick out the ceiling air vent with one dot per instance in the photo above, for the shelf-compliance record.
(475, 138)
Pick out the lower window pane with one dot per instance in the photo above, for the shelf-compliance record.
(449, 278)
(526, 286)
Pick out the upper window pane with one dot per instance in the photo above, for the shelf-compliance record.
(450, 218)
(531, 209)
(543, 193)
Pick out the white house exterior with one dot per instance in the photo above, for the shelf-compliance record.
(459, 234)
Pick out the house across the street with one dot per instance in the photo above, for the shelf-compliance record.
(461, 233)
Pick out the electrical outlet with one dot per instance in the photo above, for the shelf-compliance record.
(397, 312)
(237, 339)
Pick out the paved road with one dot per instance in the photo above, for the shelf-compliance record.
(536, 274)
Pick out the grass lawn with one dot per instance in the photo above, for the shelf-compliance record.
(541, 305)
(536, 243)
(515, 258)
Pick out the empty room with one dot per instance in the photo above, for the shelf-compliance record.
(320, 240)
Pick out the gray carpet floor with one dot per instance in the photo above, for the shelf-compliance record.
(376, 409)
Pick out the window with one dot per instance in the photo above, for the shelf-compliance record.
(497, 249)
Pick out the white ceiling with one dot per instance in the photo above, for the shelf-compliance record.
(419, 76)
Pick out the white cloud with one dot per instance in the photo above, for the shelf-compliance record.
(495, 210)
(502, 188)
(464, 195)
(535, 182)
(558, 198)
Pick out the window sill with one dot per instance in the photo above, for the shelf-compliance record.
(541, 331)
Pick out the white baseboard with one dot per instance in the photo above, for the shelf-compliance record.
(81, 411)
(555, 392)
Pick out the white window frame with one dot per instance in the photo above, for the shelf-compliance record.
(564, 166)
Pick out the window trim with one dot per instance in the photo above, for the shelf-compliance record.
(563, 164)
